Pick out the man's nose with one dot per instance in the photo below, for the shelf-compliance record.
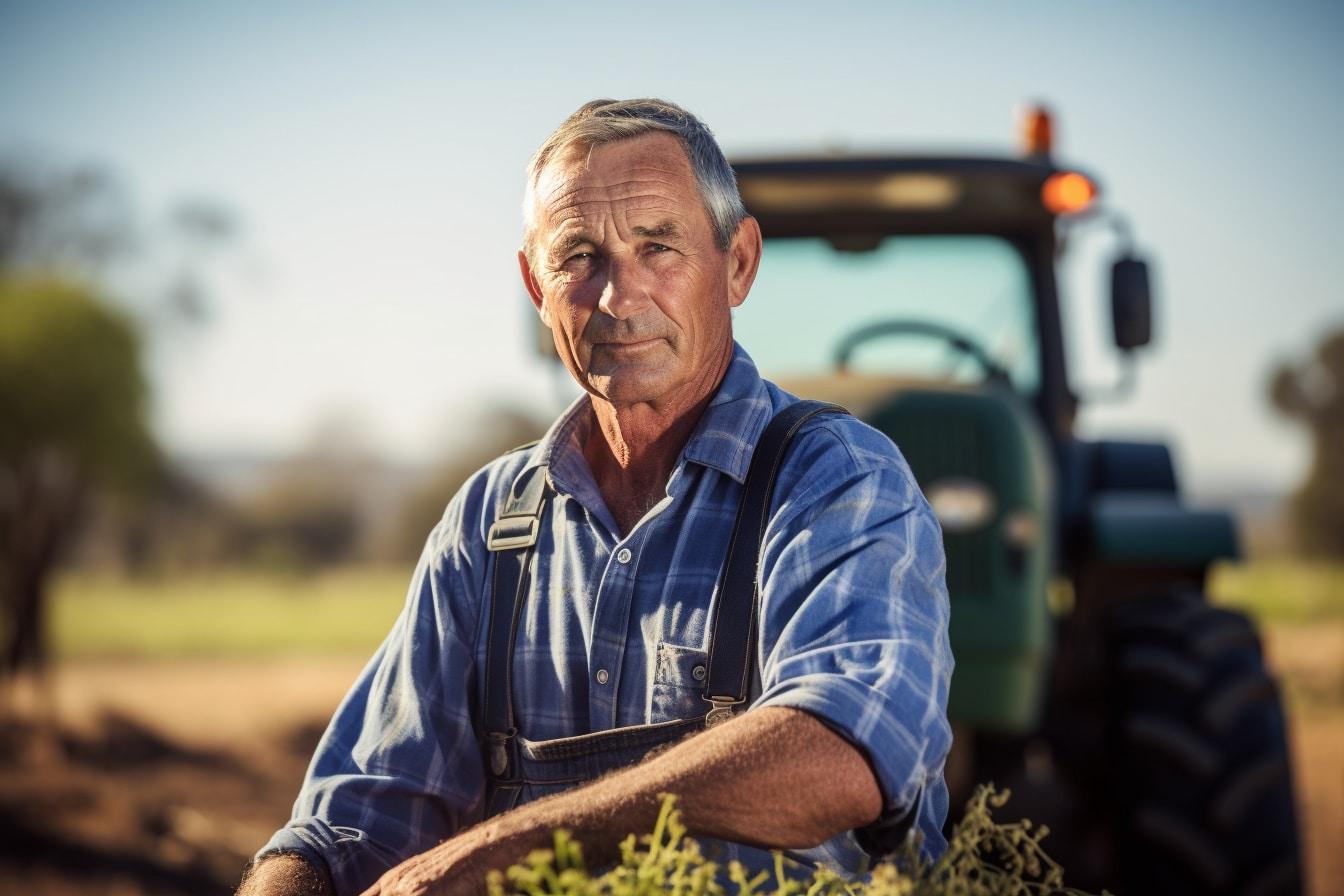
(625, 292)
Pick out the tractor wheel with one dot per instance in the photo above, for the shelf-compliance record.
(1203, 787)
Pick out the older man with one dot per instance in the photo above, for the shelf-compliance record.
(636, 249)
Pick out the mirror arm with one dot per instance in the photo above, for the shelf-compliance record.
(1123, 387)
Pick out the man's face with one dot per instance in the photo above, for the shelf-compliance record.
(628, 277)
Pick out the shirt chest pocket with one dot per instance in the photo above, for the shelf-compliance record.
(678, 683)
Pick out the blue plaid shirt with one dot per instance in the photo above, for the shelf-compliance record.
(853, 629)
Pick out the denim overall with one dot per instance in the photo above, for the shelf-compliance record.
(519, 770)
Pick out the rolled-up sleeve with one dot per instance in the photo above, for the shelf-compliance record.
(855, 619)
(398, 768)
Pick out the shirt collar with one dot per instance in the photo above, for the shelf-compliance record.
(732, 423)
(723, 440)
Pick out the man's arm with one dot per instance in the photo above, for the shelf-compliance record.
(774, 778)
(284, 874)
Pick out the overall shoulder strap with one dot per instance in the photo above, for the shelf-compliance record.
(732, 633)
(512, 538)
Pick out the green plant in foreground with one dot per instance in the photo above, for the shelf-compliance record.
(983, 858)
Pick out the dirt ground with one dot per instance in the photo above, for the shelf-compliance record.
(160, 778)
(163, 778)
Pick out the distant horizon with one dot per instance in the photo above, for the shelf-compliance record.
(210, 466)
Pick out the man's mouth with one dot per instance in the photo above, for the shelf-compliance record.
(632, 345)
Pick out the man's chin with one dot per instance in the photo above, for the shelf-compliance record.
(626, 386)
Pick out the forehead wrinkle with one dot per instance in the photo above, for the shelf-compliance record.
(563, 179)
(583, 220)
(568, 242)
(568, 180)
(577, 208)
(566, 225)
(586, 196)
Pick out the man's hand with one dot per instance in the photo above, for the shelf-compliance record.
(456, 867)
(773, 778)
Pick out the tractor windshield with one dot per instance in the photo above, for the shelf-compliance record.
(942, 308)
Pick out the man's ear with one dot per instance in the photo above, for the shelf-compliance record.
(744, 257)
(533, 288)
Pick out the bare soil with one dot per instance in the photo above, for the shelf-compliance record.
(133, 778)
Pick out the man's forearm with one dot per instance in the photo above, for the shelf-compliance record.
(774, 778)
(284, 875)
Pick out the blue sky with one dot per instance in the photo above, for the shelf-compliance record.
(374, 155)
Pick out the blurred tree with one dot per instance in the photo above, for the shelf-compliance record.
(80, 222)
(297, 526)
(72, 415)
(1312, 392)
(71, 219)
(72, 388)
(306, 516)
(182, 525)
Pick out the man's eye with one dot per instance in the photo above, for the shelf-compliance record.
(657, 247)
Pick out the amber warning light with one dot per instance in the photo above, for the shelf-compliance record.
(1037, 132)
(1067, 191)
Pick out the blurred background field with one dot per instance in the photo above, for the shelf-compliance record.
(1282, 590)
(238, 613)
(226, 613)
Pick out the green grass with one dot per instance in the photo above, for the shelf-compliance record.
(226, 613)
(241, 613)
(1283, 590)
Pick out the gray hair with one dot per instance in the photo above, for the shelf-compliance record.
(608, 121)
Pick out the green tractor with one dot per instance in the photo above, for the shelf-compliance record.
(1093, 679)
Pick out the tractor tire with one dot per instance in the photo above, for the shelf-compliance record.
(1203, 788)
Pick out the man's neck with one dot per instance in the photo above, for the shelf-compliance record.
(632, 451)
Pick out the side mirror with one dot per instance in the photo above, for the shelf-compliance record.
(1131, 303)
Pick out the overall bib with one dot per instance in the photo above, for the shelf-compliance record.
(519, 770)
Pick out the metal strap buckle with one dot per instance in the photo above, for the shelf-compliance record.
(499, 750)
(721, 712)
(513, 532)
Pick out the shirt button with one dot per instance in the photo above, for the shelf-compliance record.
(623, 556)
(602, 676)
(698, 673)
